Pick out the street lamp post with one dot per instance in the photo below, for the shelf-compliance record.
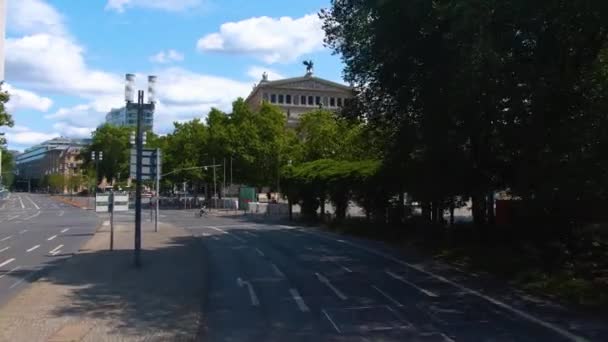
(140, 106)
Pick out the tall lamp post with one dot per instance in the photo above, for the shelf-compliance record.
(140, 107)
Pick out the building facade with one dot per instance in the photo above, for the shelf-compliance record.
(55, 156)
(299, 95)
(122, 117)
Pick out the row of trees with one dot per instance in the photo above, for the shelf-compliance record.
(479, 96)
(7, 159)
(256, 145)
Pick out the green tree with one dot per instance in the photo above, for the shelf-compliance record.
(113, 141)
(183, 150)
(7, 168)
(5, 118)
(479, 95)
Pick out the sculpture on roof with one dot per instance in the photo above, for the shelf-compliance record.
(265, 77)
(309, 66)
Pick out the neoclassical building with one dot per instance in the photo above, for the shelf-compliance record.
(299, 95)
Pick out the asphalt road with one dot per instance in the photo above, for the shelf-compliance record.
(271, 282)
(35, 233)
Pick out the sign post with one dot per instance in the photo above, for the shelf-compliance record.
(151, 168)
(111, 203)
(111, 208)
(157, 189)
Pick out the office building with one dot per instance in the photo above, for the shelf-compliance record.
(56, 156)
(121, 117)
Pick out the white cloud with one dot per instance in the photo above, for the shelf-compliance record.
(56, 63)
(272, 40)
(255, 72)
(33, 16)
(167, 5)
(25, 99)
(50, 60)
(182, 95)
(168, 56)
(24, 136)
(72, 131)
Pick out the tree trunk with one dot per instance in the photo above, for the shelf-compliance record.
(452, 207)
(401, 206)
(490, 208)
(322, 200)
(478, 209)
(426, 211)
(290, 207)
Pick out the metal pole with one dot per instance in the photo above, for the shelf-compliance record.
(214, 185)
(112, 221)
(138, 178)
(230, 172)
(224, 186)
(157, 189)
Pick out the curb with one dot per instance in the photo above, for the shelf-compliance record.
(72, 203)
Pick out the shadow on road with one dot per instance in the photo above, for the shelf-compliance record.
(162, 299)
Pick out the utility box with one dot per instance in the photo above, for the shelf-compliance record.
(246, 196)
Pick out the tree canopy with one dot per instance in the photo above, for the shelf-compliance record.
(479, 96)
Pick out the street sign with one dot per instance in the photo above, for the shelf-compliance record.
(121, 202)
(150, 163)
(102, 203)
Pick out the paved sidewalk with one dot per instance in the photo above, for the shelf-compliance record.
(97, 295)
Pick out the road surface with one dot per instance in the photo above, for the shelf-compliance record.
(271, 282)
(36, 232)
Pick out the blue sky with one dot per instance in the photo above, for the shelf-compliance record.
(65, 59)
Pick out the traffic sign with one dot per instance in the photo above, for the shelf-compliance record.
(150, 163)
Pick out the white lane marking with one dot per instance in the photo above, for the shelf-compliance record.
(55, 250)
(21, 201)
(225, 232)
(328, 283)
(4, 249)
(259, 252)
(35, 205)
(51, 238)
(347, 269)
(9, 272)
(33, 248)
(6, 238)
(31, 217)
(65, 230)
(331, 321)
(446, 338)
(563, 332)
(6, 262)
(299, 301)
(386, 295)
(23, 231)
(12, 217)
(254, 298)
(405, 281)
(277, 271)
(61, 213)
